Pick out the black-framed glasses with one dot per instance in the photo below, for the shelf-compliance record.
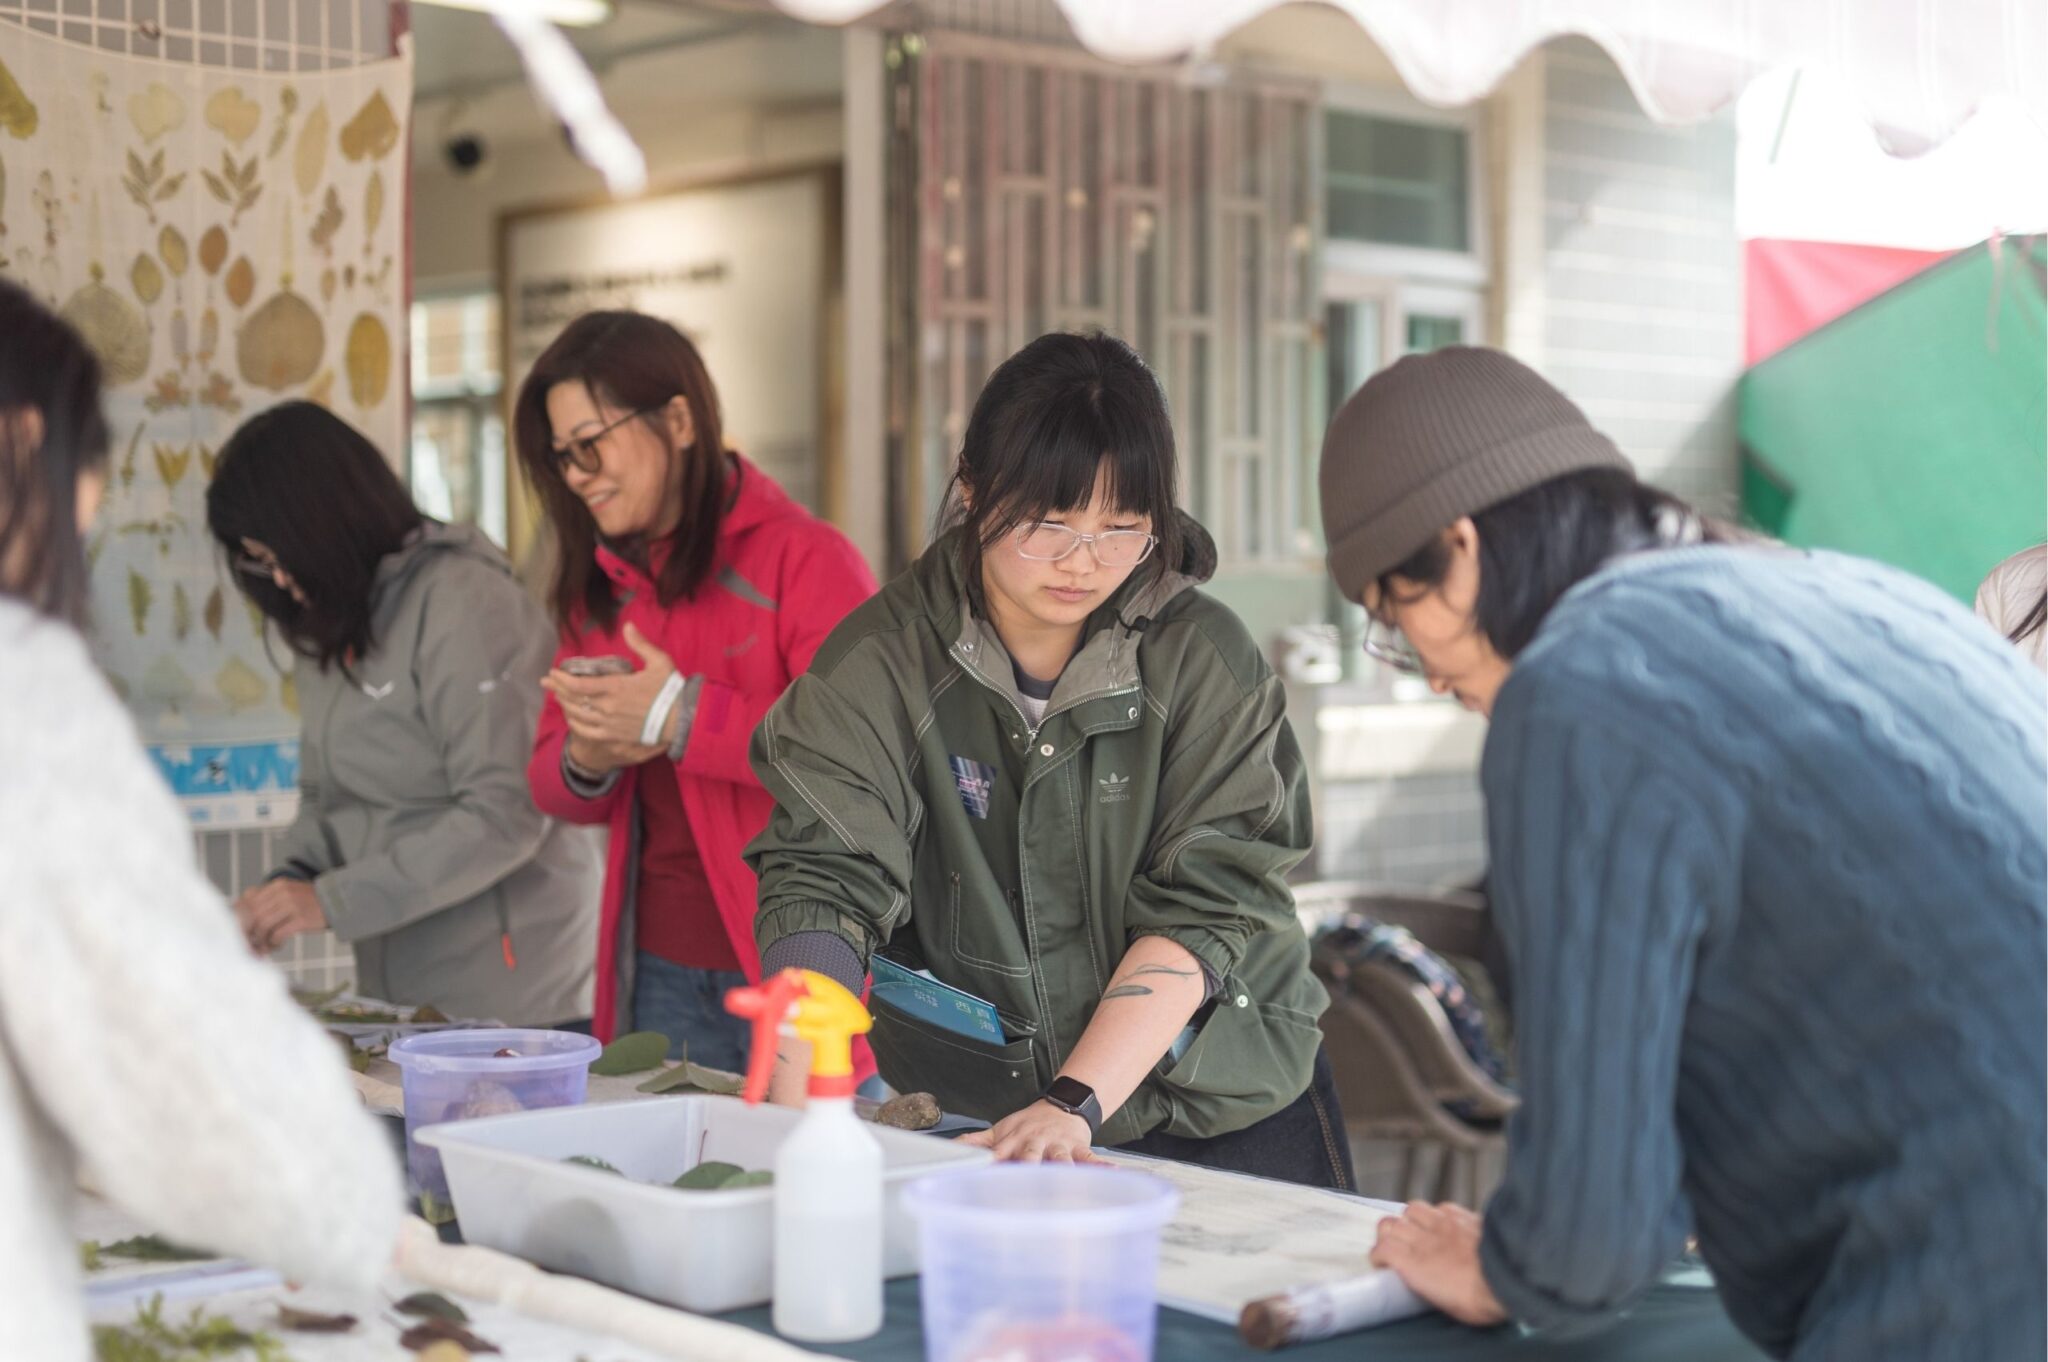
(1048, 543)
(582, 450)
(1385, 643)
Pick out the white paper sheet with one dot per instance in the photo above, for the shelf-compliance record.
(1237, 1239)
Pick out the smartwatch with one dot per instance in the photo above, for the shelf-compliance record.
(1072, 1095)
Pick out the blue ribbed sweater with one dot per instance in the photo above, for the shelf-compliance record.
(1767, 837)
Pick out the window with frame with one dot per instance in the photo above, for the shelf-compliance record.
(456, 465)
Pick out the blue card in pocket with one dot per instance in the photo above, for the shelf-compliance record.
(926, 998)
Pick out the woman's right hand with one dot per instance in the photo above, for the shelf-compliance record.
(603, 757)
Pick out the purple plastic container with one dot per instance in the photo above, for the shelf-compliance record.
(458, 1075)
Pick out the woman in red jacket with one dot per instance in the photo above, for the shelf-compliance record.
(688, 570)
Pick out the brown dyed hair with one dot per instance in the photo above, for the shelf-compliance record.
(627, 361)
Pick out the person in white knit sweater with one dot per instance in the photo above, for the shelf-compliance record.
(140, 1044)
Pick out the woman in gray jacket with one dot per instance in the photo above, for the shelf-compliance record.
(418, 665)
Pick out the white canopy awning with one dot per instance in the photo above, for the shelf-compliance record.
(1916, 69)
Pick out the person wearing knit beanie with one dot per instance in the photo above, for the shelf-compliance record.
(1422, 449)
(1767, 834)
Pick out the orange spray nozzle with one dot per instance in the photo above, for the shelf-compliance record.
(766, 1005)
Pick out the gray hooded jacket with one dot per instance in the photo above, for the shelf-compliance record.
(415, 824)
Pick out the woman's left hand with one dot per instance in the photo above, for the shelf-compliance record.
(1041, 1133)
(1435, 1250)
(273, 913)
(608, 711)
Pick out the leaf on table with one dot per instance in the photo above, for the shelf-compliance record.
(633, 1053)
(153, 1248)
(708, 1176)
(429, 1013)
(434, 1331)
(432, 1305)
(313, 1322)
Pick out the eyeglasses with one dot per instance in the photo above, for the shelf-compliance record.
(1385, 643)
(582, 450)
(1046, 543)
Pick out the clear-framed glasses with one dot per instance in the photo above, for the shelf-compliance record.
(1047, 543)
(1385, 643)
(582, 450)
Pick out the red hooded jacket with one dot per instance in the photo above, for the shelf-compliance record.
(783, 580)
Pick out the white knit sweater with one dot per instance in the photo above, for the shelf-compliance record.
(139, 1039)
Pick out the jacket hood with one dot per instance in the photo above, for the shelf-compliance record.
(432, 541)
(757, 500)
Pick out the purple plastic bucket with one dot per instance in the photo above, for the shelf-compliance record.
(459, 1075)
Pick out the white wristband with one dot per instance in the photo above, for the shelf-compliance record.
(657, 713)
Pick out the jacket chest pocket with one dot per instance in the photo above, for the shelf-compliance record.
(971, 1077)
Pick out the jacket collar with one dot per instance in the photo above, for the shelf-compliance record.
(755, 500)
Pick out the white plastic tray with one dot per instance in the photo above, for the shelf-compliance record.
(703, 1251)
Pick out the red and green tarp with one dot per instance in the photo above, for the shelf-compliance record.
(1913, 428)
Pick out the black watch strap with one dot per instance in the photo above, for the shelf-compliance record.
(1071, 1094)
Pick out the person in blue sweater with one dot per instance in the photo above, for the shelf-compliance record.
(1767, 841)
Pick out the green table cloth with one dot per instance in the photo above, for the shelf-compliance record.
(1674, 1323)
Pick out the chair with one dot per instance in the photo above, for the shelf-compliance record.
(1402, 1076)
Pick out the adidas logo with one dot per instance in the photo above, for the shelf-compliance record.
(1115, 789)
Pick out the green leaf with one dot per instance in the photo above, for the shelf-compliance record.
(432, 1305)
(152, 1248)
(593, 1161)
(89, 1255)
(435, 1211)
(631, 1054)
(668, 1080)
(711, 1080)
(760, 1177)
(708, 1176)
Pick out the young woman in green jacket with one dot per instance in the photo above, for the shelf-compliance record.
(1045, 768)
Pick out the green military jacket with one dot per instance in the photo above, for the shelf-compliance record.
(921, 815)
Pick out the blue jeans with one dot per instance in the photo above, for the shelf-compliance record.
(688, 1006)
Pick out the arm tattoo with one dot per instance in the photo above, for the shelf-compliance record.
(1130, 990)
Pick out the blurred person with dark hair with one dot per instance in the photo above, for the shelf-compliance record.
(1768, 834)
(418, 658)
(688, 573)
(138, 1040)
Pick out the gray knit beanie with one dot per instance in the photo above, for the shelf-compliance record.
(1438, 436)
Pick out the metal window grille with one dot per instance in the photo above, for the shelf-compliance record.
(1055, 192)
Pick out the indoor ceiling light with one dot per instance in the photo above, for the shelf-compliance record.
(568, 13)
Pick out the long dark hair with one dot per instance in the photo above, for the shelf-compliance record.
(1050, 419)
(632, 362)
(1539, 544)
(45, 368)
(315, 492)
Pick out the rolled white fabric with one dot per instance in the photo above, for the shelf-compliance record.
(657, 713)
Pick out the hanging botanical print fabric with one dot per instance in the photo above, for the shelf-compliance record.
(225, 240)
